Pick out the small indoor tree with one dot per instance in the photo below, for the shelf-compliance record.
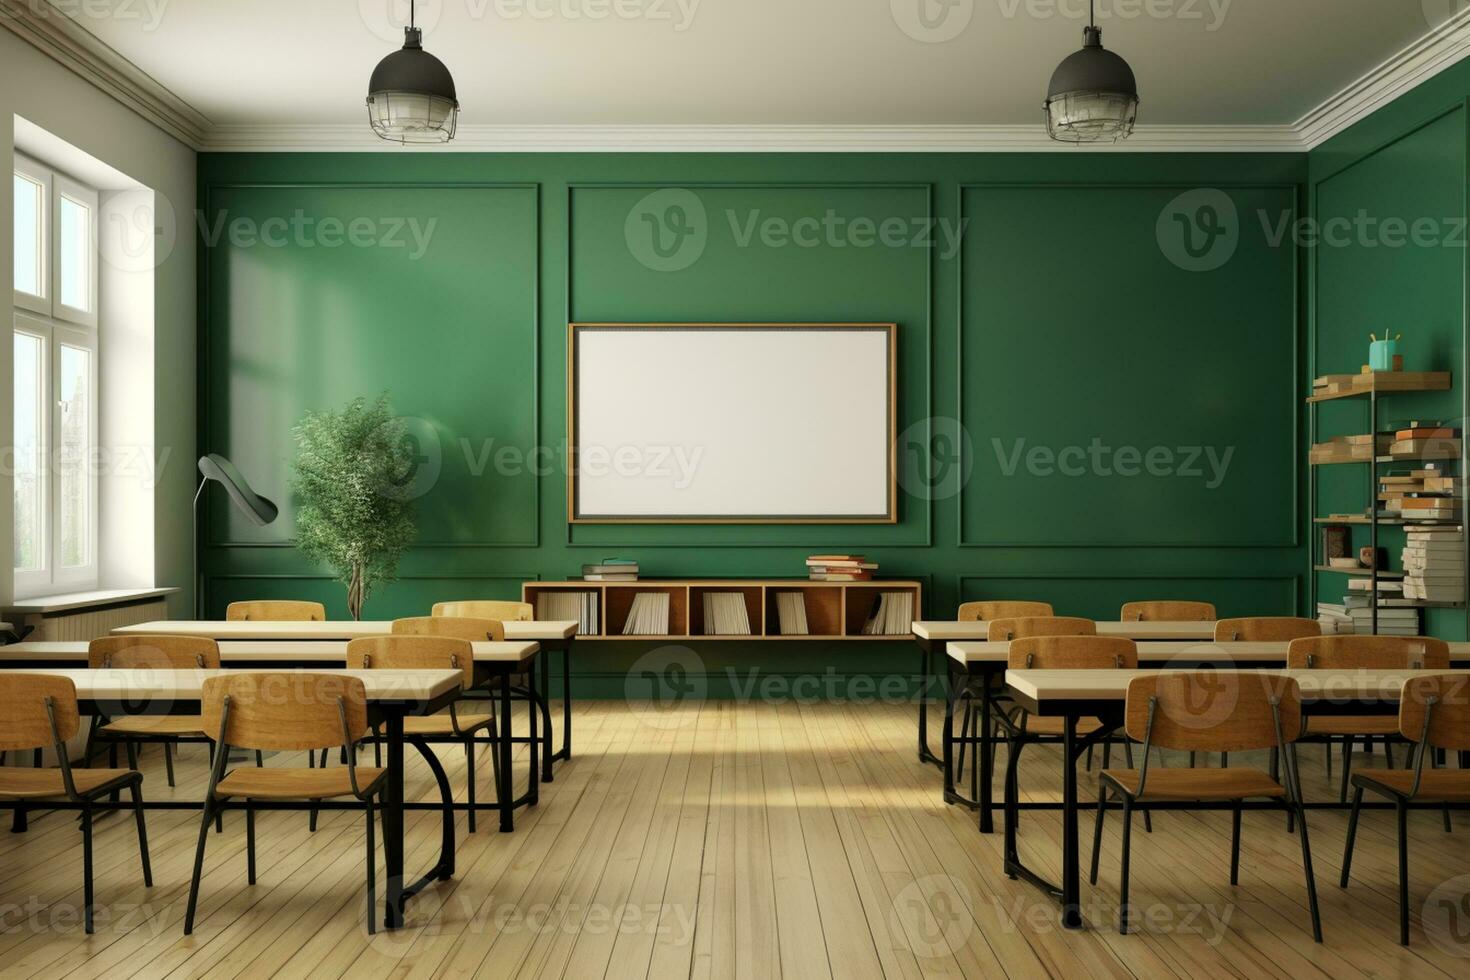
(352, 511)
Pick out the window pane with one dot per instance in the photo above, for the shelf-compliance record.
(28, 244)
(76, 246)
(30, 489)
(74, 445)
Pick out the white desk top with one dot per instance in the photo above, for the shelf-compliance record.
(1159, 652)
(936, 629)
(187, 685)
(334, 629)
(1112, 685)
(258, 651)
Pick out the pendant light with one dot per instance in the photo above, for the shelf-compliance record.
(1093, 96)
(411, 94)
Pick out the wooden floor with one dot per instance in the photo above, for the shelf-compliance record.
(726, 840)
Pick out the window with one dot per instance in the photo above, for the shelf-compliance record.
(55, 347)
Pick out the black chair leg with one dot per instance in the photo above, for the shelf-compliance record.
(1327, 756)
(259, 759)
(198, 869)
(132, 755)
(469, 766)
(1403, 820)
(87, 896)
(372, 872)
(1148, 818)
(1352, 837)
(219, 815)
(1235, 844)
(137, 791)
(1089, 757)
(1301, 821)
(959, 764)
(1434, 763)
(1347, 761)
(1224, 760)
(1127, 847)
(1097, 829)
(1387, 752)
(168, 761)
(249, 843)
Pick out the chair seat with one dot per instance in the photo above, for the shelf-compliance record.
(184, 725)
(39, 784)
(1437, 785)
(295, 784)
(1196, 784)
(1044, 725)
(1353, 725)
(443, 724)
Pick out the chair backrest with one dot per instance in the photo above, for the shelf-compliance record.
(286, 710)
(984, 609)
(409, 652)
(1017, 628)
(1266, 629)
(280, 610)
(1449, 724)
(23, 720)
(505, 610)
(464, 627)
(153, 652)
(1213, 710)
(1362, 652)
(1073, 653)
(1169, 610)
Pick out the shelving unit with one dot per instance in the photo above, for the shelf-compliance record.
(834, 610)
(1372, 386)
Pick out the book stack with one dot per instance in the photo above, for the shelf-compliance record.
(893, 615)
(560, 605)
(1396, 615)
(611, 570)
(1426, 439)
(1333, 618)
(649, 615)
(791, 613)
(1434, 563)
(1421, 495)
(840, 568)
(725, 614)
(1346, 449)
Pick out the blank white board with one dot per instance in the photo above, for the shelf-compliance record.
(732, 423)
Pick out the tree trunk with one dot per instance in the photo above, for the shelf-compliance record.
(354, 593)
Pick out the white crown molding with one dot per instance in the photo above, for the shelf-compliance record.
(60, 37)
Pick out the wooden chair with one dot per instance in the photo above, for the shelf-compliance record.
(150, 653)
(985, 609)
(1211, 711)
(285, 712)
(40, 711)
(1168, 610)
(1434, 716)
(1265, 629)
(286, 610)
(409, 652)
(1354, 652)
(505, 610)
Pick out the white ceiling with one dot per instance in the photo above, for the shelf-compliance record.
(756, 62)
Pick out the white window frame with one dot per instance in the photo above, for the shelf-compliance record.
(58, 325)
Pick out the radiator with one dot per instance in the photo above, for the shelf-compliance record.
(90, 623)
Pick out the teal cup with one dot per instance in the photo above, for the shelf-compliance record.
(1381, 353)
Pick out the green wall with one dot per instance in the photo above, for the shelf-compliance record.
(1404, 165)
(1094, 369)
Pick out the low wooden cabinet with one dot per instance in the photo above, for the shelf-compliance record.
(834, 610)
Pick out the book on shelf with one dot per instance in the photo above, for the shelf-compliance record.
(1416, 447)
(840, 568)
(601, 577)
(725, 614)
(1334, 618)
(791, 613)
(1426, 431)
(565, 604)
(611, 570)
(648, 615)
(1434, 563)
(893, 614)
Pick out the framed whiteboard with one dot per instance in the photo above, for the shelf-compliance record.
(732, 423)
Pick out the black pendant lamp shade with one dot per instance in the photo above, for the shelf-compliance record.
(1093, 96)
(411, 96)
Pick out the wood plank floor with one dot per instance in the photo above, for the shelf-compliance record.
(731, 840)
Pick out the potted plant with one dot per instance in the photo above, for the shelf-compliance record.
(349, 476)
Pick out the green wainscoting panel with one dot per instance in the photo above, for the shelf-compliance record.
(1115, 397)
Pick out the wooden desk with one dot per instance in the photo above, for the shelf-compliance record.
(250, 653)
(1173, 653)
(1072, 694)
(553, 635)
(391, 694)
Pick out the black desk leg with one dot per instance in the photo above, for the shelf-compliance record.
(393, 820)
(1071, 862)
(566, 700)
(986, 760)
(948, 747)
(926, 677)
(533, 709)
(547, 755)
(503, 789)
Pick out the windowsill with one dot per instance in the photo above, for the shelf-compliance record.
(65, 601)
